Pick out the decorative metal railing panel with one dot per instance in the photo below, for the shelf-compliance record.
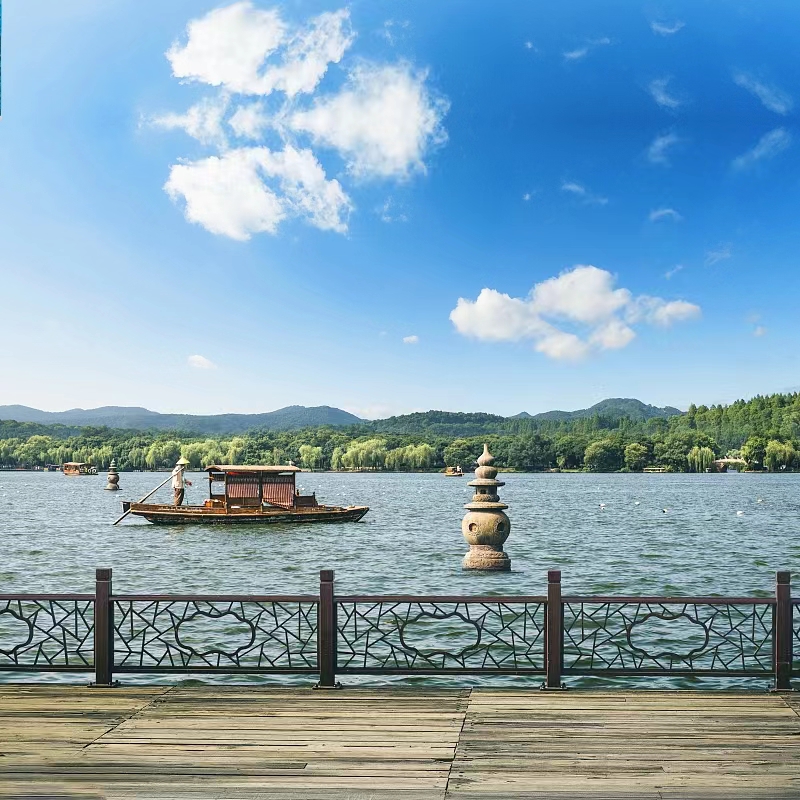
(221, 634)
(440, 635)
(47, 633)
(796, 638)
(649, 635)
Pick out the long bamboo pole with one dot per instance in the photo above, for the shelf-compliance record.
(150, 494)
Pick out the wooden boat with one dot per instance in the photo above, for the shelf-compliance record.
(257, 494)
(78, 468)
(453, 472)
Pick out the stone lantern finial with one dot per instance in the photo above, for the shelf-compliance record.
(485, 525)
(113, 477)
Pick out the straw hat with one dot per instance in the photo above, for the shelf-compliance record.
(181, 462)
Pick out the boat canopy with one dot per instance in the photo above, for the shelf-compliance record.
(252, 485)
(76, 464)
(250, 468)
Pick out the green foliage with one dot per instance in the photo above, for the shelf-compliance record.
(764, 431)
(604, 455)
(700, 458)
(637, 456)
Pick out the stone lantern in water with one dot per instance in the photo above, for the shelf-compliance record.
(485, 525)
(113, 477)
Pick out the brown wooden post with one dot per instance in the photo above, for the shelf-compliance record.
(554, 634)
(103, 629)
(782, 634)
(326, 632)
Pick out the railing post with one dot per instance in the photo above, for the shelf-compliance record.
(103, 630)
(326, 632)
(554, 633)
(782, 635)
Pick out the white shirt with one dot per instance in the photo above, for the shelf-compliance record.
(177, 478)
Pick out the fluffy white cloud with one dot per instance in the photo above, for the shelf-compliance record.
(771, 97)
(200, 362)
(249, 121)
(664, 213)
(659, 92)
(383, 121)
(583, 298)
(768, 146)
(229, 194)
(203, 121)
(230, 46)
(657, 151)
(411, 339)
(666, 28)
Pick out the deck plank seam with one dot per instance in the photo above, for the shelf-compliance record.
(145, 707)
(458, 743)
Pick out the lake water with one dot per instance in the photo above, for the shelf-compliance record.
(55, 530)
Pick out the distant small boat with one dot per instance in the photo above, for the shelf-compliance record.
(78, 468)
(453, 472)
(256, 494)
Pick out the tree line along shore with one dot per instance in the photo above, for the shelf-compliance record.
(764, 432)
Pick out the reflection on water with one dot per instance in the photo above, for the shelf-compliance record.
(56, 530)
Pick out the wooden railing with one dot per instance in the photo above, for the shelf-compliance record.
(554, 636)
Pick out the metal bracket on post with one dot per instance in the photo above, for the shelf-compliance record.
(554, 633)
(326, 632)
(103, 631)
(782, 632)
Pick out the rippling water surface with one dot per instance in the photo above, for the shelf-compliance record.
(56, 530)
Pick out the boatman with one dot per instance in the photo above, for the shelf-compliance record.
(178, 481)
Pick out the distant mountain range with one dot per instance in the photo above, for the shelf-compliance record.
(613, 408)
(294, 417)
(128, 417)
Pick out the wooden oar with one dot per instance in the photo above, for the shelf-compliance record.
(145, 498)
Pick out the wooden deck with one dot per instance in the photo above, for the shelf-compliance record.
(252, 743)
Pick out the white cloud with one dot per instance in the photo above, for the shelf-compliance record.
(383, 122)
(771, 97)
(411, 340)
(579, 190)
(578, 53)
(529, 46)
(229, 194)
(203, 121)
(665, 213)
(583, 298)
(200, 362)
(526, 197)
(229, 46)
(720, 253)
(388, 213)
(666, 28)
(768, 146)
(759, 331)
(674, 271)
(581, 52)
(658, 91)
(249, 121)
(657, 151)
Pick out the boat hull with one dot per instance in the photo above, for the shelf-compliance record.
(181, 515)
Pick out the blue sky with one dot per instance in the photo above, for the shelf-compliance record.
(396, 206)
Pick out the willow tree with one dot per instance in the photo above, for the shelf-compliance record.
(700, 458)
